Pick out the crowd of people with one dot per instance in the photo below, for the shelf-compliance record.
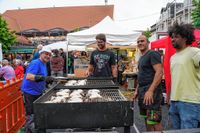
(184, 98)
(10, 71)
(57, 66)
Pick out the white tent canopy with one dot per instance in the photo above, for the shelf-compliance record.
(63, 45)
(115, 34)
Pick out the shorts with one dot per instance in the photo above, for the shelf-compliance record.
(152, 116)
(152, 113)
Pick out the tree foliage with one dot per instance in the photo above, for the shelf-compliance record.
(196, 13)
(7, 37)
(147, 33)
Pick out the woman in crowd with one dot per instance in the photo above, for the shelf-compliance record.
(57, 64)
(6, 71)
(19, 69)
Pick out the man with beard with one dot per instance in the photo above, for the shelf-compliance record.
(102, 60)
(185, 78)
(149, 90)
(34, 83)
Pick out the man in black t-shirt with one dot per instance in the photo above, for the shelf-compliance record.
(102, 60)
(149, 88)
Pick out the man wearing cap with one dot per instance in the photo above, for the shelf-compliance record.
(34, 83)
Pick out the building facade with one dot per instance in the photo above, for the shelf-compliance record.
(173, 12)
(48, 25)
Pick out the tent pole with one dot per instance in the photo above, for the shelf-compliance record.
(117, 65)
(67, 58)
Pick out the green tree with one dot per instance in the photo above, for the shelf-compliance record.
(147, 33)
(7, 37)
(196, 13)
(77, 29)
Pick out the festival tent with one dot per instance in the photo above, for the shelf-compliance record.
(197, 34)
(63, 45)
(169, 51)
(115, 34)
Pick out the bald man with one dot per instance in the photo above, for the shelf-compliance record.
(149, 90)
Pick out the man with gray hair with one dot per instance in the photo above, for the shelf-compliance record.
(6, 71)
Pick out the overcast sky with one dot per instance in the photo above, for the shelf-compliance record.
(133, 14)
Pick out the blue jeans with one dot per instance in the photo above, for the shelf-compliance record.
(184, 115)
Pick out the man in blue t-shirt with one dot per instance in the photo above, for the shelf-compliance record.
(102, 60)
(34, 83)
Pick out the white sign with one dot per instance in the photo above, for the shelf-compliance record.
(1, 55)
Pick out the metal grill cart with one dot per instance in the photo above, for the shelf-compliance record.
(113, 110)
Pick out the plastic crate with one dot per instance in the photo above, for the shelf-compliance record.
(12, 114)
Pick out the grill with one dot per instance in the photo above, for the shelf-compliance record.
(90, 83)
(113, 110)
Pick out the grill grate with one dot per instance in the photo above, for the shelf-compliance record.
(108, 95)
(90, 84)
(99, 82)
(114, 95)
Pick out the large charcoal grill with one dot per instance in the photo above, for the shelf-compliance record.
(117, 112)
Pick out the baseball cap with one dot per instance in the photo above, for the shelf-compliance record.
(45, 49)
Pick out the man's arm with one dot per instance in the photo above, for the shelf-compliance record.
(148, 98)
(196, 59)
(30, 76)
(36, 78)
(89, 70)
(114, 71)
(39, 78)
(157, 77)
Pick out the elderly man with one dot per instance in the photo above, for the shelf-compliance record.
(34, 84)
(6, 71)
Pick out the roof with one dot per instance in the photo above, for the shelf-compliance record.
(23, 39)
(68, 18)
